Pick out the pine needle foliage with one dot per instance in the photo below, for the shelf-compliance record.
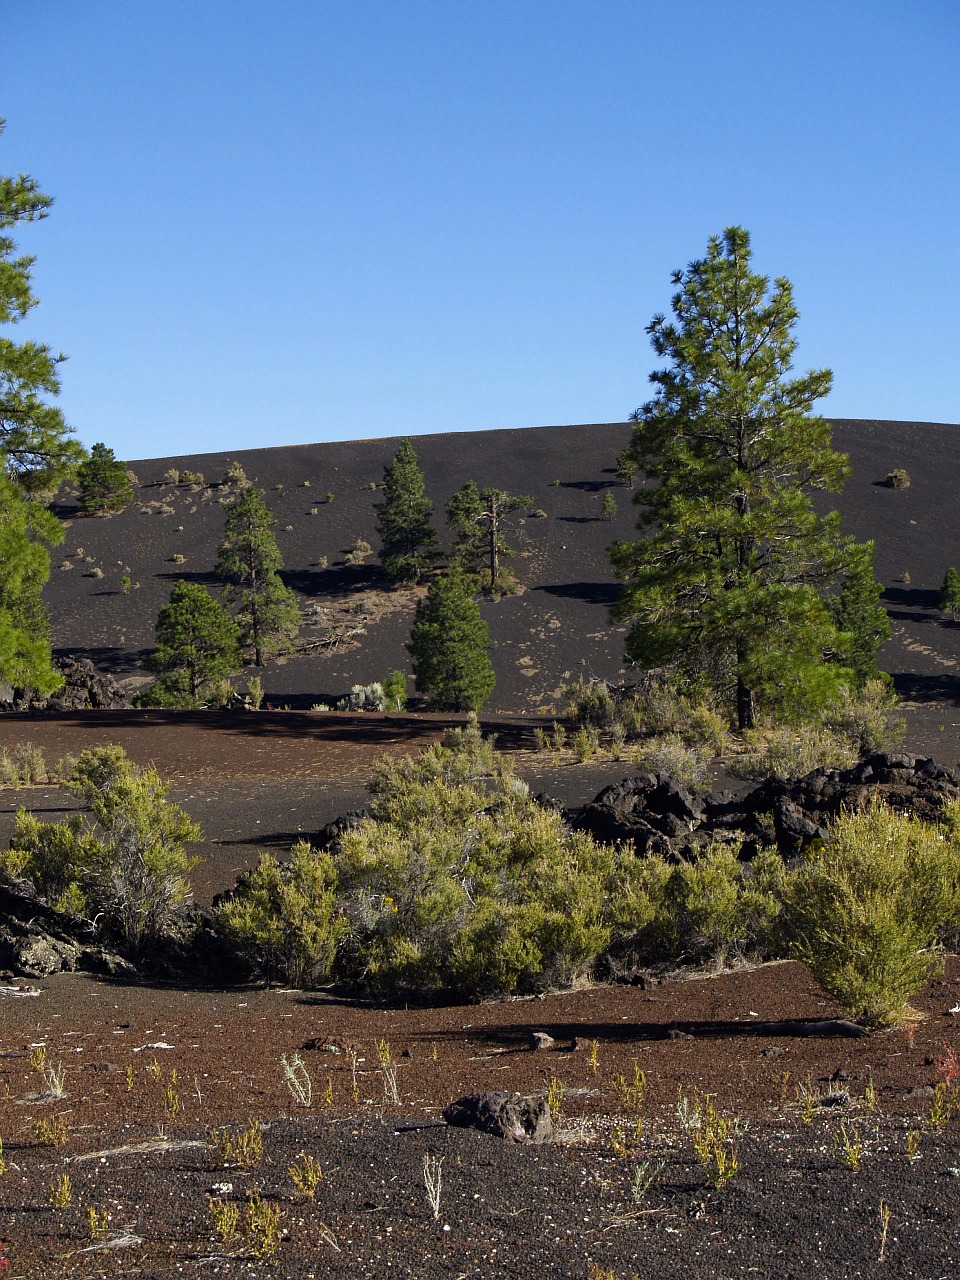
(479, 518)
(950, 594)
(860, 619)
(103, 482)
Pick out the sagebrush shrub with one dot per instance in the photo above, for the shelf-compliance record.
(458, 881)
(25, 765)
(867, 910)
(363, 697)
(672, 756)
(792, 751)
(284, 919)
(862, 722)
(867, 718)
(715, 908)
(128, 864)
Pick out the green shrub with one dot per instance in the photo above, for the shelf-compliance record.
(707, 894)
(590, 703)
(283, 919)
(950, 594)
(477, 893)
(55, 856)
(862, 722)
(24, 766)
(621, 713)
(716, 908)
(363, 697)
(458, 882)
(359, 552)
(898, 478)
(705, 726)
(867, 910)
(127, 864)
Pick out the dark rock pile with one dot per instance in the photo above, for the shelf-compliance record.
(658, 817)
(84, 689)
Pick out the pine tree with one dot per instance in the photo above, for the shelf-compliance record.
(36, 453)
(403, 520)
(103, 482)
(197, 642)
(950, 594)
(478, 516)
(728, 584)
(449, 644)
(37, 450)
(860, 619)
(249, 560)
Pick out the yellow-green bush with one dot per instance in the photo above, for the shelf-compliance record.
(123, 859)
(284, 919)
(672, 755)
(457, 882)
(867, 910)
(473, 887)
(867, 718)
(715, 908)
(792, 751)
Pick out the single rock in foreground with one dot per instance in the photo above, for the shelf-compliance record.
(504, 1114)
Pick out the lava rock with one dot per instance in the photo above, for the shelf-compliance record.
(503, 1114)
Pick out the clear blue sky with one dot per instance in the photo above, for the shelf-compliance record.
(330, 219)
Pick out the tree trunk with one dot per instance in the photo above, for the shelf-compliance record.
(494, 545)
(746, 711)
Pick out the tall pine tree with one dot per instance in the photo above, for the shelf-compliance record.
(26, 529)
(249, 561)
(728, 583)
(37, 449)
(36, 453)
(449, 644)
(403, 520)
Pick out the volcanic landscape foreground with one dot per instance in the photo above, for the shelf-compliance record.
(259, 781)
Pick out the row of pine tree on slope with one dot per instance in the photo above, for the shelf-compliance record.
(201, 642)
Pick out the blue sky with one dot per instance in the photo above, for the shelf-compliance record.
(304, 221)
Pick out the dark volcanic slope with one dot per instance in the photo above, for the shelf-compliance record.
(556, 628)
